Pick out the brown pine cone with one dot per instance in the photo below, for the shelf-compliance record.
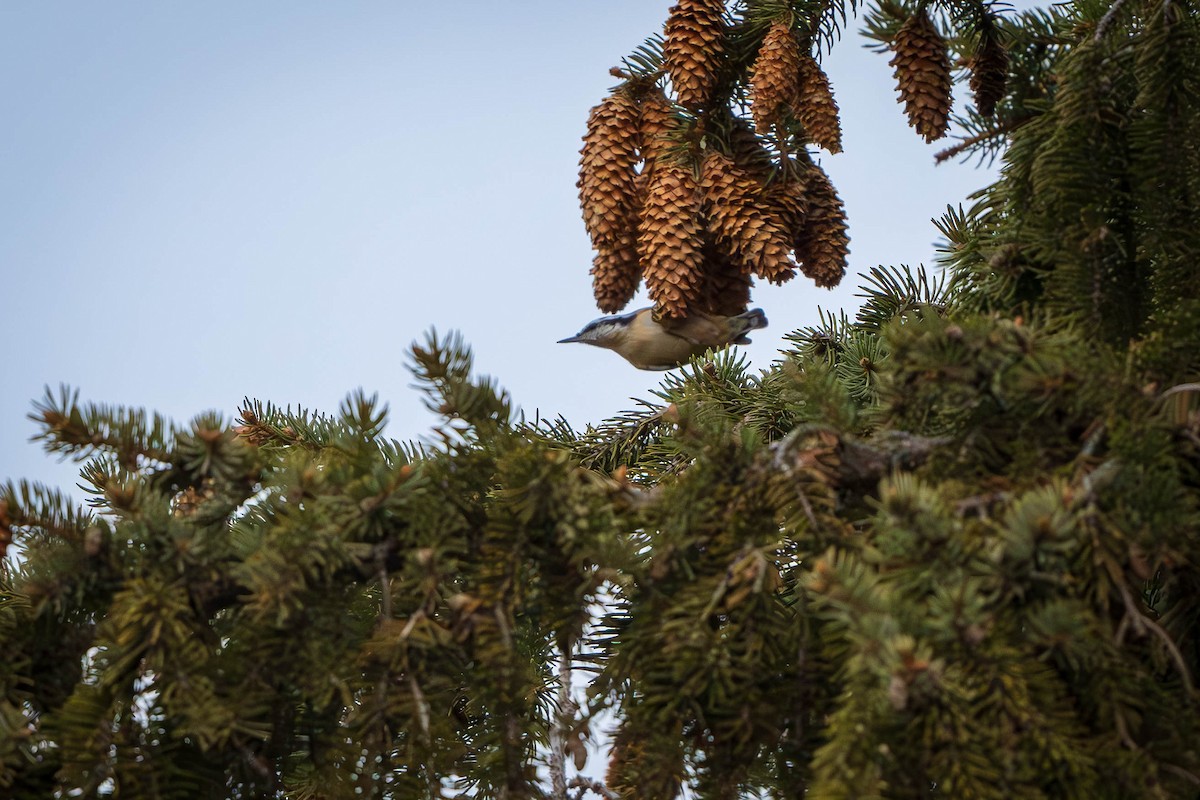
(607, 169)
(815, 107)
(656, 121)
(774, 76)
(741, 223)
(822, 244)
(670, 239)
(725, 290)
(923, 76)
(693, 47)
(616, 274)
(748, 151)
(989, 74)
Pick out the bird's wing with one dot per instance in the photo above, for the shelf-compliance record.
(699, 329)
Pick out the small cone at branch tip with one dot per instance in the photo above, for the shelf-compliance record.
(607, 170)
(814, 106)
(669, 239)
(694, 44)
(989, 75)
(923, 76)
(741, 224)
(822, 245)
(774, 76)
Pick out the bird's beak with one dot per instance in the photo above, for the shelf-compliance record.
(570, 339)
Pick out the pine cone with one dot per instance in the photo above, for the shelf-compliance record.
(636, 772)
(775, 76)
(725, 290)
(822, 245)
(607, 170)
(616, 274)
(989, 74)
(923, 76)
(748, 151)
(814, 106)
(789, 195)
(656, 121)
(669, 240)
(608, 194)
(695, 42)
(741, 223)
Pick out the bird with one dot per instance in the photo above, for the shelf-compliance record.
(649, 344)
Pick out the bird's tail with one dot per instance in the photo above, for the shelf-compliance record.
(748, 321)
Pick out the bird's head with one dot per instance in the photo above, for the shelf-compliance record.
(603, 332)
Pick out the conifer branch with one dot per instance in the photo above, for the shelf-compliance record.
(994, 131)
(1141, 623)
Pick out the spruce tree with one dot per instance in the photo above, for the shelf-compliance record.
(946, 547)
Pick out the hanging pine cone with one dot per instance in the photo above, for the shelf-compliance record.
(607, 169)
(695, 42)
(822, 244)
(789, 196)
(923, 76)
(608, 195)
(748, 151)
(656, 121)
(616, 274)
(636, 771)
(725, 290)
(741, 223)
(989, 74)
(814, 106)
(775, 75)
(669, 240)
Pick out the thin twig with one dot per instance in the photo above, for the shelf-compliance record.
(1107, 20)
(385, 610)
(561, 725)
(1190, 777)
(1001, 129)
(385, 613)
(1141, 620)
(1182, 387)
(1123, 731)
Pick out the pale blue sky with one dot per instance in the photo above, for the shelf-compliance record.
(202, 201)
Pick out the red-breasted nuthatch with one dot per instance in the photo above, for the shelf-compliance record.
(651, 345)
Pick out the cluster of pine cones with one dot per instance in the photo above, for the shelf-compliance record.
(690, 197)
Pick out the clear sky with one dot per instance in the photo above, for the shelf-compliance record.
(204, 201)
